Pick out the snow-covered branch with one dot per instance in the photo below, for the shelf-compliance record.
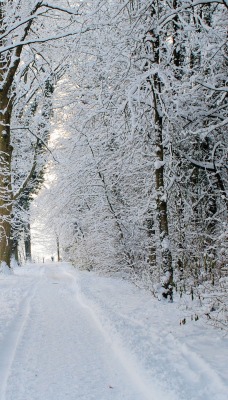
(188, 5)
(62, 9)
(45, 39)
(216, 89)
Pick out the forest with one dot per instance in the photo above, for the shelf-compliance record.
(114, 115)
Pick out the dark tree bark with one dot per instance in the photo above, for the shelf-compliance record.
(161, 198)
(28, 251)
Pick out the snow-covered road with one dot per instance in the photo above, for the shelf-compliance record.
(72, 335)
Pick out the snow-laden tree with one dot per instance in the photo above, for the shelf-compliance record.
(142, 164)
(26, 68)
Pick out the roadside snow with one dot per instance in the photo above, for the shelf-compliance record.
(67, 334)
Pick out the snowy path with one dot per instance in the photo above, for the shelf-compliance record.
(72, 335)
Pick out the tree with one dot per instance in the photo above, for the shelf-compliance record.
(141, 168)
(22, 24)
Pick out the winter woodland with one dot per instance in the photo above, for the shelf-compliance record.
(115, 113)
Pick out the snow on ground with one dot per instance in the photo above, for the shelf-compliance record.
(73, 335)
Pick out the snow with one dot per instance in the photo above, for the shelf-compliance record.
(165, 243)
(69, 334)
(4, 269)
(158, 164)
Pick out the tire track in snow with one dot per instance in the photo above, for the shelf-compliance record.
(190, 366)
(12, 338)
(199, 367)
(127, 360)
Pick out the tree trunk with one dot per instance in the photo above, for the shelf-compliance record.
(28, 252)
(161, 200)
(15, 252)
(58, 248)
(6, 197)
(151, 234)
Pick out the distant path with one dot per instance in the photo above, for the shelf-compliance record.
(70, 335)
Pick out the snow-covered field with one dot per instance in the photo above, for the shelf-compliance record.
(72, 335)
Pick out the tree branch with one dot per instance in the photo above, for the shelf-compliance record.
(65, 10)
(43, 40)
(207, 86)
(25, 183)
(39, 139)
(167, 18)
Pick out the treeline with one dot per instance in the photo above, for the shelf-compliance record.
(142, 176)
